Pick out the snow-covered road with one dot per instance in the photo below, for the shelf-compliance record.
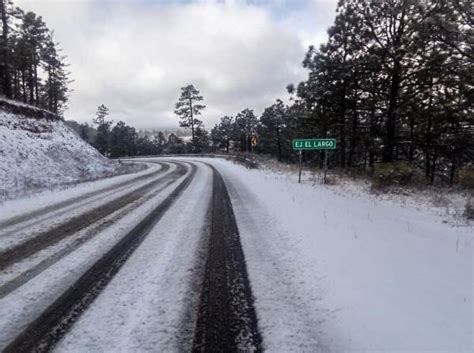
(328, 272)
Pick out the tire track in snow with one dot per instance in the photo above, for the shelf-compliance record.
(16, 220)
(46, 330)
(52, 236)
(227, 321)
(10, 285)
(23, 221)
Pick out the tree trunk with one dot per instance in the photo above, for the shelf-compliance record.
(411, 150)
(15, 88)
(31, 85)
(389, 143)
(428, 141)
(342, 129)
(36, 80)
(23, 84)
(192, 122)
(50, 90)
(5, 74)
(453, 170)
(279, 144)
(7, 87)
(354, 137)
(433, 168)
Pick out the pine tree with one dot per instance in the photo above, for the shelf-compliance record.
(187, 108)
(31, 69)
(221, 134)
(201, 139)
(84, 132)
(102, 141)
(56, 85)
(392, 83)
(123, 140)
(5, 48)
(102, 113)
(33, 31)
(244, 128)
(271, 129)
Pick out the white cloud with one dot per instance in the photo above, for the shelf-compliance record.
(135, 56)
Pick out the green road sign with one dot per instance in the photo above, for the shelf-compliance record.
(314, 144)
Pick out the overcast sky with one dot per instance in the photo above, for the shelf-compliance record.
(134, 55)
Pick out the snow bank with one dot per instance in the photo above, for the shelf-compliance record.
(343, 272)
(40, 153)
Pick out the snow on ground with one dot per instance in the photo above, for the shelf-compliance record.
(332, 270)
(150, 304)
(448, 202)
(40, 153)
(29, 300)
(348, 272)
(17, 234)
(20, 206)
(21, 267)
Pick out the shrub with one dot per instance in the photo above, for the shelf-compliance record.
(246, 161)
(469, 209)
(388, 174)
(440, 200)
(466, 177)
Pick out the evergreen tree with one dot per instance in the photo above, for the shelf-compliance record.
(84, 132)
(271, 130)
(30, 68)
(102, 140)
(187, 108)
(392, 83)
(202, 140)
(123, 140)
(5, 48)
(161, 139)
(244, 128)
(222, 133)
(175, 145)
(33, 31)
(56, 86)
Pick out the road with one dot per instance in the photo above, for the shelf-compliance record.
(81, 259)
(205, 255)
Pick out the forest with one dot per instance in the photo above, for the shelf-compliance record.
(393, 84)
(32, 68)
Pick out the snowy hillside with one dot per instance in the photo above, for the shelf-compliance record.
(40, 153)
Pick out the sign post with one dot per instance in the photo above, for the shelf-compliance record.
(325, 165)
(314, 145)
(301, 160)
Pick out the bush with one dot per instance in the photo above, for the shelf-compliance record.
(466, 177)
(440, 200)
(247, 161)
(469, 209)
(389, 174)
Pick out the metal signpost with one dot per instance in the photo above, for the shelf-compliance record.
(314, 145)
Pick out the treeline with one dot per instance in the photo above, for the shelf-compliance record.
(121, 140)
(393, 84)
(32, 70)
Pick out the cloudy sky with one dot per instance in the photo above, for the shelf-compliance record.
(134, 55)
